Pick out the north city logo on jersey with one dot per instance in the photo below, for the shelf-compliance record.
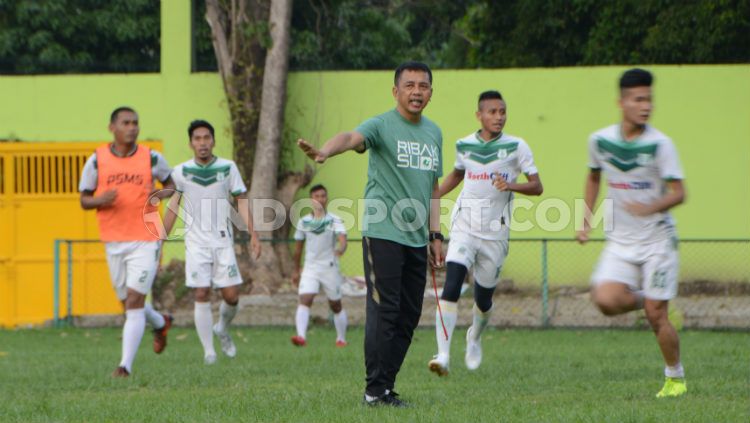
(484, 176)
(416, 155)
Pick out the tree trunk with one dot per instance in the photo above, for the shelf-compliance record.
(238, 37)
(241, 31)
(265, 180)
(288, 187)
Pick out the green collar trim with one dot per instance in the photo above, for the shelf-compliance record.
(207, 165)
(482, 140)
(117, 154)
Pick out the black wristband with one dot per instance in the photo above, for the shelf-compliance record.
(436, 235)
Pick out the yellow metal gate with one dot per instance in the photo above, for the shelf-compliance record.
(39, 202)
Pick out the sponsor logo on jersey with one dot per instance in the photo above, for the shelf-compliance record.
(485, 176)
(417, 155)
(644, 159)
(633, 185)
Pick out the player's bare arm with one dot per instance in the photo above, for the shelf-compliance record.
(297, 258)
(532, 186)
(243, 206)
(166, 191)
(90, 202)
(342, 245)
(675, 196)
(591, 192)
(340, 143)
(436, 245)
(170, 217)
(451, 181)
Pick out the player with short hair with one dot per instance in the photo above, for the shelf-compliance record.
(489, 162)
(118, 182)
(402, 216)
(638, 267)
(208, 184)
(319, 231)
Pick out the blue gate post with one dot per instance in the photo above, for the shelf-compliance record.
(545, 285)
(69, 317)
(56, 286)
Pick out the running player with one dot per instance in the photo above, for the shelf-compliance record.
(118, 181)
(489, 162)
(639, 265)
(319, 230)
(208, 184)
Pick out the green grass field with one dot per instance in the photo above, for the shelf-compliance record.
(526, 376)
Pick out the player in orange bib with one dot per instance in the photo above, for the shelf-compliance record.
(118, 182)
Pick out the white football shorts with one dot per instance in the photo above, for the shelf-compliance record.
(329, 277)
(485, 255)
(207, 267)
(652, 267)
(132, 265)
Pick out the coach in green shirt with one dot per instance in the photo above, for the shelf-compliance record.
(401, 216)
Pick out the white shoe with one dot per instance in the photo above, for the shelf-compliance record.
(439, 365)
(473, 350)
(227, 345)
(209, 359)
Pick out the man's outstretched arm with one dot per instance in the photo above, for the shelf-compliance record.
(340, 143)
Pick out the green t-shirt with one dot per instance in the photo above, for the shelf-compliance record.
(405, 161)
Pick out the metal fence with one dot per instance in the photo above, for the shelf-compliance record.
(544, 283)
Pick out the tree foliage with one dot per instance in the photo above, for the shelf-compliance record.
(374, 34)
(76, 36)
(123, 36)
(346, 34)
(514, 33)
(356, 34)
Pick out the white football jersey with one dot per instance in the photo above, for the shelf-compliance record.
(320, 239)
(635, 171)
(481, 209)
(207, 191)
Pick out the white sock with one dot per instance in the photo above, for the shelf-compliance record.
(480, 321)
(226, 314)
(204, 321)
(303, 315)
(675, 371)
(132, 332)
(153, 317)
(339, 321)
(450, 314)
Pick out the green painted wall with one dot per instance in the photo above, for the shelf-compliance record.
(705, 109)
